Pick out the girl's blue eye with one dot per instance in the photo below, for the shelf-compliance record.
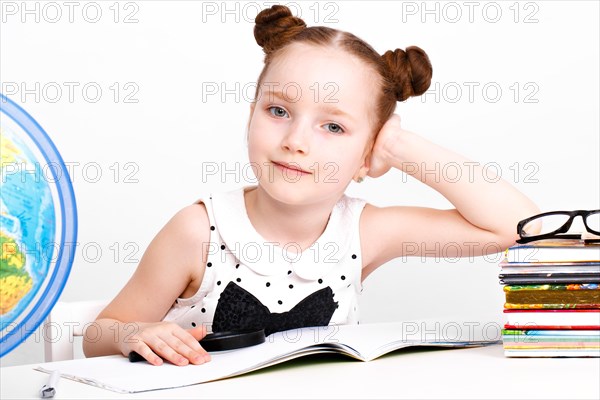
(334, 128)
(278, 112)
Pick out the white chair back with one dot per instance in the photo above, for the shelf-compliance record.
(66, 321)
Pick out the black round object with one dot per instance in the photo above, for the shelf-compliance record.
(230, 340)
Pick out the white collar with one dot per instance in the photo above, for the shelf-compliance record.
(269, 258)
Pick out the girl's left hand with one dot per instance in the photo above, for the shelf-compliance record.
(387, 141)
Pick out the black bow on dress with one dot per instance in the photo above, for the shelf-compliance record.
(238, 309)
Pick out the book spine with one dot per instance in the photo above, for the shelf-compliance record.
(527, 327)
(551, 306)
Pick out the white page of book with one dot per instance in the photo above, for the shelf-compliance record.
(118, 374)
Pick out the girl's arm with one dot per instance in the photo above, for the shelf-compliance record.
(173, 262)
(487, 208)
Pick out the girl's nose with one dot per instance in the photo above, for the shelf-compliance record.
(297, 138)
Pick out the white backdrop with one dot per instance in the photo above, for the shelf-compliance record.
(147, 102)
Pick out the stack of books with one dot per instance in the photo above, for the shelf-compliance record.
(552, 294)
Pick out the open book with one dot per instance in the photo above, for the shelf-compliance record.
(363, 342)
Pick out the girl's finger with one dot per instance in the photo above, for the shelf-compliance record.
(193, 351)
(164, 350)
(145, 351)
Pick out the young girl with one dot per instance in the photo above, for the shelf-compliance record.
(293, 250)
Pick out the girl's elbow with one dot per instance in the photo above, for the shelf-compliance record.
(506, 240)
(509, 234)
(88, 348)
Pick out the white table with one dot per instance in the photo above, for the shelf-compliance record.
(410, 373)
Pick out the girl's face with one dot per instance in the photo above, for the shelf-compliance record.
(309, 133)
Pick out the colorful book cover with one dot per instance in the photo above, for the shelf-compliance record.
(550, 306)
(551, 343)
(555, 296)
(539, 336)
(559, 332)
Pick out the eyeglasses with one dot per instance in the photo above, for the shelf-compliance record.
(555, 224)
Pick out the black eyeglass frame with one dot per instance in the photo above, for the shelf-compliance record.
(563, 229)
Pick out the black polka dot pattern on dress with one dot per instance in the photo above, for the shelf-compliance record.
(194, 324)
(299, 286)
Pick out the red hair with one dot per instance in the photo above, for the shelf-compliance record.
(402, 73)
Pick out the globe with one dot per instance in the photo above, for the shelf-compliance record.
(38, 225)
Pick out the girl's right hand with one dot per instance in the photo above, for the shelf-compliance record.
(383, 149)
(166, 341)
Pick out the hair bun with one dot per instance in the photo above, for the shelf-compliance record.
(410, 71)
(275, 26)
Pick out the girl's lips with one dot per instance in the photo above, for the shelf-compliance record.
(290, 167)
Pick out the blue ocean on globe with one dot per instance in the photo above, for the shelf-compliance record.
(28, 225)
(38, 225)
